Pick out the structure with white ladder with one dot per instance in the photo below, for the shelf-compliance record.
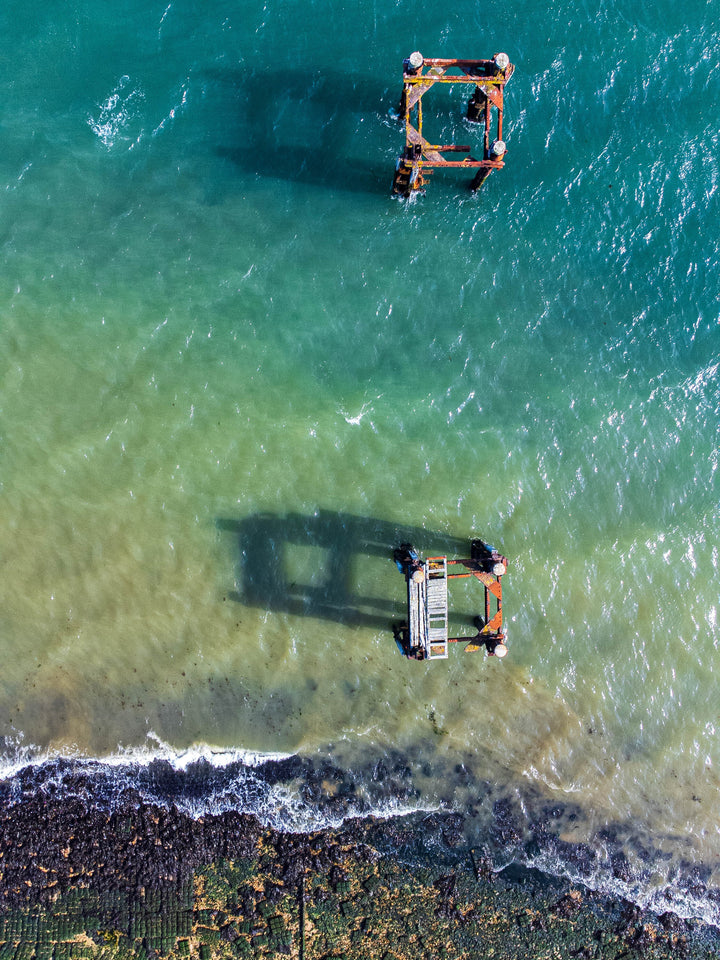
(424, 635)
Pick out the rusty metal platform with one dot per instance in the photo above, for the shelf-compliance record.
(424, 635)
(420, 157)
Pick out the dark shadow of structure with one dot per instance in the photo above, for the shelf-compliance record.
(335, 547)
(298, 125)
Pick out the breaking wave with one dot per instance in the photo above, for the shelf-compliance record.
(118, 114)
(292, 793)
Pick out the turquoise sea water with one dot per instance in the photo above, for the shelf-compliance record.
(234, 373)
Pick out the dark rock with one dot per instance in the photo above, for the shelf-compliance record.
(568, 904)
(446, 886)
(620, 867)
(673, 924)
(508, 821)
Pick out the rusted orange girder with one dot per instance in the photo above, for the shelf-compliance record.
(490, 582)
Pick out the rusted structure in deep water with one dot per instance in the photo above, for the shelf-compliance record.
(420, 157)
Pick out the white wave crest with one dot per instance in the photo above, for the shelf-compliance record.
(116, 113)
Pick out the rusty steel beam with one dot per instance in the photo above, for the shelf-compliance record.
(429, 81)
(457, 62)
(467, 164)
(451, 147)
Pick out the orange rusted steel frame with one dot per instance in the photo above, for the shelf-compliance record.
(492, 585)
(474, 71)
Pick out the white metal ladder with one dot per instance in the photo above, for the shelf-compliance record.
(437, 608)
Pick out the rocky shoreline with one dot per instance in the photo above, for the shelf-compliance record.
(145, 881)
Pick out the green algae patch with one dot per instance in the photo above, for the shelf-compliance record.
(157, 885)
(361, 904)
